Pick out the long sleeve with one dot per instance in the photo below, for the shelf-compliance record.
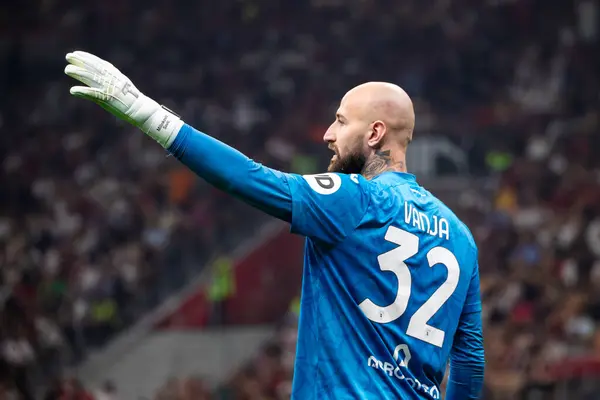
(467, 359)
(325, 207)
(229, 170)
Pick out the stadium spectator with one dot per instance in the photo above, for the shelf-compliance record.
(185, 388)
(108, 391)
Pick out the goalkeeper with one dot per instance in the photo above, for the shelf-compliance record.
(362, 333)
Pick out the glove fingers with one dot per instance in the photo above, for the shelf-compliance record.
(98, 97)
(87, 93)
(84, 60)
(73, 59)
(76, 60)
(90, 59)
(83, 75)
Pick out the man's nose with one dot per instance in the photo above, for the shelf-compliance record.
(329, 136)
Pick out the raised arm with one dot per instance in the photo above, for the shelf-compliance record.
(229, 170)
(325, 207)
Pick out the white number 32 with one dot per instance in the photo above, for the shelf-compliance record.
(394, 261)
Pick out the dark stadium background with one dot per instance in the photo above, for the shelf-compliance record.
(124, 277)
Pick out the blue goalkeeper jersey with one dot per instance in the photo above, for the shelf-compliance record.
(390, 290)
(389, 273)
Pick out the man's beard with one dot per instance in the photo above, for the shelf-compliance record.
(352, 163)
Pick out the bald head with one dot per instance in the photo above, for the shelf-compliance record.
(373, 126)
(385, 102)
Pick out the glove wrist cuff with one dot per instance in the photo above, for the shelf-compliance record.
(163, 126)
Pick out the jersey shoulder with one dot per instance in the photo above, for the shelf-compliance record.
(456, 221)
(416, 206)
(330, 183)
(328, 206)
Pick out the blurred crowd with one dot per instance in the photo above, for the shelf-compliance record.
(98, 225)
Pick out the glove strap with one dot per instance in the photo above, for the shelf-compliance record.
(163, 126)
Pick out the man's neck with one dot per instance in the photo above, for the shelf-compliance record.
(383, 161)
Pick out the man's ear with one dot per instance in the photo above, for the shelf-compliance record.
(376, 135)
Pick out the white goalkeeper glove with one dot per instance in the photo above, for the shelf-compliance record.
(114, 92)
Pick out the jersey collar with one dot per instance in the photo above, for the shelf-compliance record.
(394, 176)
